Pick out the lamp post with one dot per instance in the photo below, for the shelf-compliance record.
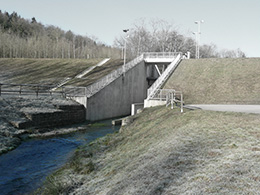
(198, 38)
(125, 31)
(196, 35)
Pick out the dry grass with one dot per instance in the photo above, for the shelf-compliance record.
(166, 152)
(42, 71)
(97, 73)
(210, 81)
(54, 71)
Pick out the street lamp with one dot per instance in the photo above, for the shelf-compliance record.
(198, 38)
(125, 31)
(196, 35)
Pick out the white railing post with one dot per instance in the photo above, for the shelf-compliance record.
(181, 103)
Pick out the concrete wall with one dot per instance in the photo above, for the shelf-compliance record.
(153, 103)
(136, 107)
(115, 99)
(63, 115)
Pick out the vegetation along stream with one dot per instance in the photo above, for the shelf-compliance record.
(25, 168)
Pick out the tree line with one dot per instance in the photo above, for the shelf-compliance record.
(23, 38)
(161, 36)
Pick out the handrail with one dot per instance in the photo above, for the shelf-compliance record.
(26, 89)
(172, 98)
(97, 86)
(161, 54)
(30, 89)
(157, 84)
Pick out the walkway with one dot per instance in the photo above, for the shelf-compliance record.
(227, 108)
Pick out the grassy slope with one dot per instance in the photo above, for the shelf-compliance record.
(218, 81)
(166, 152)
(97, 73)
(41, 71)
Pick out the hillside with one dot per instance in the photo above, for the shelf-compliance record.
(166, 152)
(53, 71)
(218, 81)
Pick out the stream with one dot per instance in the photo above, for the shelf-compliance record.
(25, 168)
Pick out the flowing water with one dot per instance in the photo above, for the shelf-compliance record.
(25, 168)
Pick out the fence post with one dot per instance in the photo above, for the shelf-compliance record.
(181, 103)
(37, 91)
(20, 91)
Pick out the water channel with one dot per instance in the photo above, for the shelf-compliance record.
(25, 168)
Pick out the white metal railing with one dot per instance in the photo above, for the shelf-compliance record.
(97, 86)
(161, 54)
(158, 83)
(161, 94)
(174, 97)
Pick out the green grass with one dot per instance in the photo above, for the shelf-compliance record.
(166, 152)
(216, 81)
(42, 71)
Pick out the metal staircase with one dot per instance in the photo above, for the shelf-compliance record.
(164, 76)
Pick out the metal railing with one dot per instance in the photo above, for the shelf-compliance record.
(174, 97)
(161, 94)
(40, 90)
(161, 54)
(97, 86)
(171, 96)
(158, 83)
(28, 89)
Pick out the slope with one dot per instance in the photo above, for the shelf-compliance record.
(166, 152)
(218, 81)
(54, 71)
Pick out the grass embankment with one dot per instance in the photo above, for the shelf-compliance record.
(97, 73)
(166, 152)
(218, 81)
(42, 71)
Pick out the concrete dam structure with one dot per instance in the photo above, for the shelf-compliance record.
(113, 95)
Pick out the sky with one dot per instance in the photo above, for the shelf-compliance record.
(230, 24)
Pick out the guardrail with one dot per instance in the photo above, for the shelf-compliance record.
(97, 86)
(158, 83)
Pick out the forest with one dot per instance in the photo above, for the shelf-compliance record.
(24, 38)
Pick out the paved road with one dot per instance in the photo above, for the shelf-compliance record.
(228, 108)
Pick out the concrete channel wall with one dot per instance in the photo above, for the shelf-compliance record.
(115, 99)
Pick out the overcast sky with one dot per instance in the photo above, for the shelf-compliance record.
(230, 24)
